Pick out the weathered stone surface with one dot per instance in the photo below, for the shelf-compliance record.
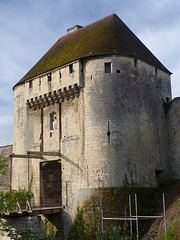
(174, 137)
(6, 151)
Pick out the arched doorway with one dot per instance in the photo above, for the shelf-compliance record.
(50, 173)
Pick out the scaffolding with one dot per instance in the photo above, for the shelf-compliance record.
(136, 217)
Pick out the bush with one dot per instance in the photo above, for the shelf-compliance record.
(23, 234)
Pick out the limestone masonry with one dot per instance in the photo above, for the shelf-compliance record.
(97, 101)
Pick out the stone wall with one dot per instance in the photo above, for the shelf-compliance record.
(35, 224)
(104, 121)
(128, 100)
(6, 180)
(174, 137)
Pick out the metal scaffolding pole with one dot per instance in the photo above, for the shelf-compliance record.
(164, 210)
(130, 214)
(136, 217)
(137, 230)
(102, 226)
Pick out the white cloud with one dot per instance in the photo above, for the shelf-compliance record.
(6, 120)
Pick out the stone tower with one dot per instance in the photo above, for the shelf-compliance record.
(92, 103)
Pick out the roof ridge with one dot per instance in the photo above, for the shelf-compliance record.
(90, 24)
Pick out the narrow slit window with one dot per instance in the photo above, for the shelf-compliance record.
(51, 121)
(107, 67)
(156, 72)
(135, 63)
(60, 74)
(49, 77)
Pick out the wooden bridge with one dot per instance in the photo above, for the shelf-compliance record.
(26, 209)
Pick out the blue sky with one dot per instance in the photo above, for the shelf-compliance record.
(28, 28)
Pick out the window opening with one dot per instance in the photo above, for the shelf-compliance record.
(108, 132)
(71, 70)
(60, 74)
(53, 121)
(167, 99)
(118, 71)
(39, 81)
(156, 72)
(30, 84)
(159, 173)
(107, 67)
(135, 63)
(49, 77)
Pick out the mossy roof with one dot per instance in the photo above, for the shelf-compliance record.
(105, 37)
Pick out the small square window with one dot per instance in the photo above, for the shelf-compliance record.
(30, 84)
(167, 99)
(159, 173)
(71, 70)
(107, 67)
(118, 71)
(49, 77)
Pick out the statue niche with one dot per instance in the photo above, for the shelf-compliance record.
(53, 121)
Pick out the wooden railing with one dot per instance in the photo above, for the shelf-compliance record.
(30, 207)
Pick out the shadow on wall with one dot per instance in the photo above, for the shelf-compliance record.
(59, 224)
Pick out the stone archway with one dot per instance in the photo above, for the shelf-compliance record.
(50, 185)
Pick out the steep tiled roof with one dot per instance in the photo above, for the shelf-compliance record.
(105, 37)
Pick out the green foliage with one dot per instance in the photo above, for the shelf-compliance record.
(95, 219)
(173, 232)
(152, 235)
(113, 233)
(3, 165)
(128, 186)
(77, 231)
(129, 190)
(159, 192)
(23, 234)
(11, 198)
